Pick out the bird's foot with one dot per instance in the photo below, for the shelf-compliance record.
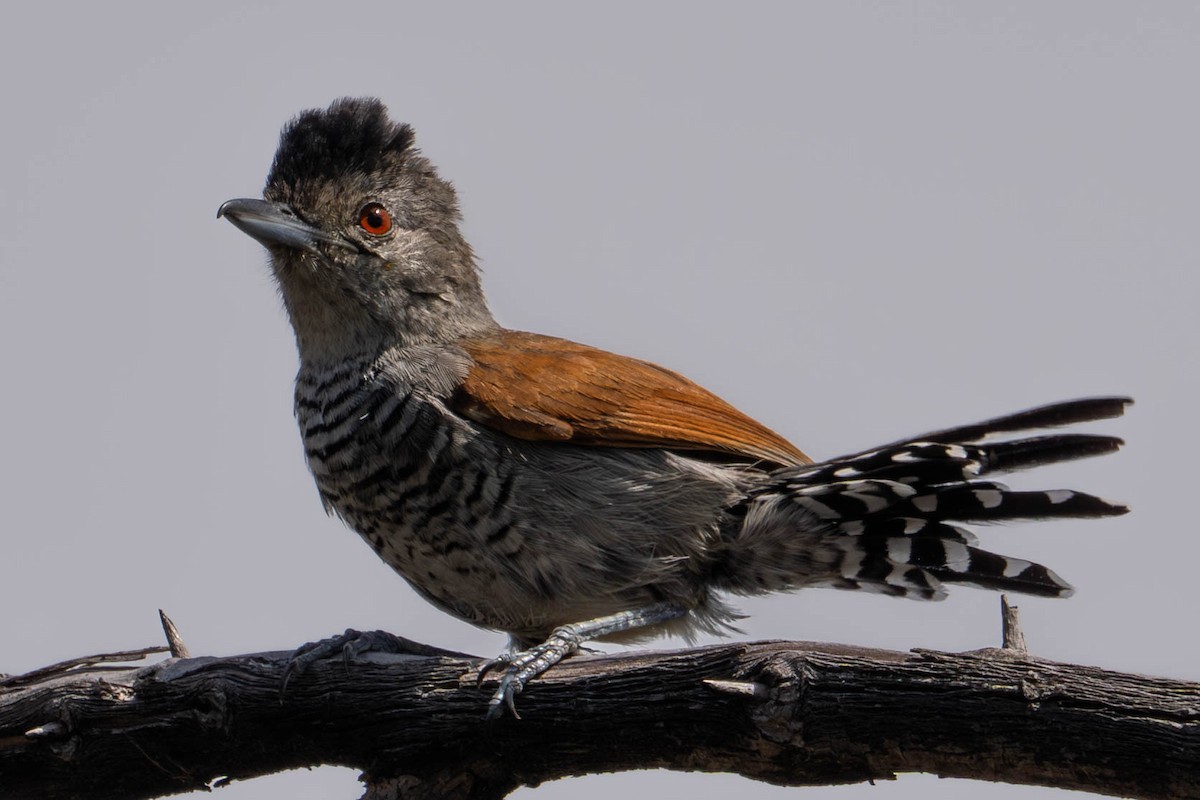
(350, 645)
(525, 665)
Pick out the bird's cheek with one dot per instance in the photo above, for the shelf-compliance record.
(429, 285)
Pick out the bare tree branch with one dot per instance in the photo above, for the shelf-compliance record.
(1010, 620)
(175, 641)
(783, 712)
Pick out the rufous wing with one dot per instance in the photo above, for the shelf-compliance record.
(540, 388)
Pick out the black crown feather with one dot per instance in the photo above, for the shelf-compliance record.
(354, 134)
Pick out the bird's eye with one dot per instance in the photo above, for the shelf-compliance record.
(375, 219)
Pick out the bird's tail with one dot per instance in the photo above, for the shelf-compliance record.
(890, 520)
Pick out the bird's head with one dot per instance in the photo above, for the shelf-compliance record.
(363, 235)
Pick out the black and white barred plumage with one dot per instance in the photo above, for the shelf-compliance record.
(893, 517)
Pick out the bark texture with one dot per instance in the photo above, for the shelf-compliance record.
(790, 713)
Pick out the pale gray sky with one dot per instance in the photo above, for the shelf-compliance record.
(856, 221)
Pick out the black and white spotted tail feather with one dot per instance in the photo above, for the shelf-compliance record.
(895, 512)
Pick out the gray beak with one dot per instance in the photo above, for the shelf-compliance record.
(276, 224)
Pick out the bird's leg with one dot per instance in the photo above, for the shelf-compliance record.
(523, 666)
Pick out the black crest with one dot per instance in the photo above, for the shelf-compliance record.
(354, 134)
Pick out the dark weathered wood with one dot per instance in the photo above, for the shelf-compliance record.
(175, 643)
(1010, 621)
(782, 712)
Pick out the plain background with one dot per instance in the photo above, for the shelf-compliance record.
(854, 221)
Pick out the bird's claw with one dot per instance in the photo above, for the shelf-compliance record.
(350, 645)
(502, 660)
(524, 666)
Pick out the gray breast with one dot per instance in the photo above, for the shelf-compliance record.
(508, 534)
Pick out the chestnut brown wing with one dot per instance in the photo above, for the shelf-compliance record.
(540, 388)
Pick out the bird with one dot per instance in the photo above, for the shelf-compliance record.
(560, 493)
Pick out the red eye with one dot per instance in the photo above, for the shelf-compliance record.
(374, 219)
